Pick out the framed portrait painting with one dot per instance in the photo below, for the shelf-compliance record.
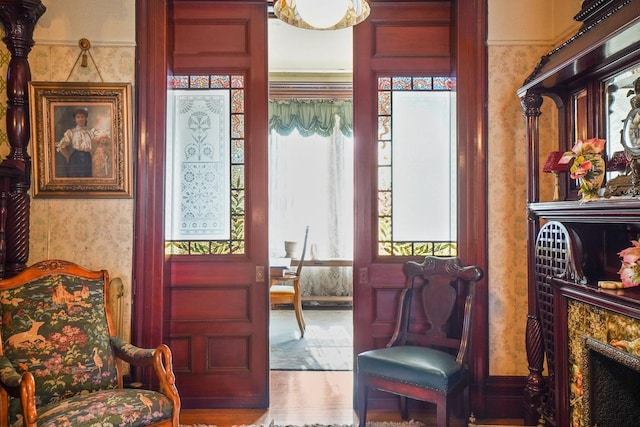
(81, 139)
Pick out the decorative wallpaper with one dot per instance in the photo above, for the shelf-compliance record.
(507, 275)
(95, 233)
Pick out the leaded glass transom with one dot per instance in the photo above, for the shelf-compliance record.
(205, 207)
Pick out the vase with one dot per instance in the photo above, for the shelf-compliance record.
(591, 181)
(290, 249)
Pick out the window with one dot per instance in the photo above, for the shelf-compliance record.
(311, 175)
(416, 166)
(311, 184)
(205, 165)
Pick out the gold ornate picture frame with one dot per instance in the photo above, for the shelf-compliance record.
(81, 139)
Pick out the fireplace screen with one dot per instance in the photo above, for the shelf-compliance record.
(610, 381)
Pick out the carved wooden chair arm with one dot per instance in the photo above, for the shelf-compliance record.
(131, 354)
(159, 357)
(20, 386)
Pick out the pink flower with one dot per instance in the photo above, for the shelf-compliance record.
(581, 169)
(627, 274)
(632, 254)
(630, 269)
(581, 148)
(592, 145)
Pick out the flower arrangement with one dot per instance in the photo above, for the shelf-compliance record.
(630, 270)
(588, 165)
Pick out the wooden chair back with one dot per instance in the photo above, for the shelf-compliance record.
(436, 305)
(303, 253)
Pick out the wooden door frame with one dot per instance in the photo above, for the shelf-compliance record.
(471, 62)
(148, 252)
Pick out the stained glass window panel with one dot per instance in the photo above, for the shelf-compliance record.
(417, 156)
(205, 164)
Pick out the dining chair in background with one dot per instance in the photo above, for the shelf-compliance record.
(286, 289)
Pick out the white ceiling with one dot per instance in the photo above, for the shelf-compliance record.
(296, 50)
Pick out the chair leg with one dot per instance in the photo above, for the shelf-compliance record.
(442, 411)
(297, 306)
(404, 409)
(466, 401)
(300, 320)
(362, 395)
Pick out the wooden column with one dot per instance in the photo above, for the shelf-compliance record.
(18, 19)
(531, 104)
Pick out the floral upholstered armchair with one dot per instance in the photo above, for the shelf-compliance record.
(60, 362)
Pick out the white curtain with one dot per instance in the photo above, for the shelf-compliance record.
(311, 183)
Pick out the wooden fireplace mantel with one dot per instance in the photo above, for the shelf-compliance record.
(573, 245)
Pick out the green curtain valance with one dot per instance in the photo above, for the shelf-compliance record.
(310, 116)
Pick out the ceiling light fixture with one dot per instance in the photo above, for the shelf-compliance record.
(322, 14)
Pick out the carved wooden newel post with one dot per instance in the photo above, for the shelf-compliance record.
(18, 18)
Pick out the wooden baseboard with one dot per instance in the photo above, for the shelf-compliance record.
(503, 397)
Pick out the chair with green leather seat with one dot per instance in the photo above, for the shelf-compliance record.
(426, 356)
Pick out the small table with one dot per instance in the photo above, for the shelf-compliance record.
(328, 262)
(279, 266)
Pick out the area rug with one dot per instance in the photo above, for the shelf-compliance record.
(369, 424)
(327, 344)
(410, 423)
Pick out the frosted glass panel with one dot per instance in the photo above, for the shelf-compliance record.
(424, 160)
(198, 165)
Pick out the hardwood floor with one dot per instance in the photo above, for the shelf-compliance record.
(308, 397)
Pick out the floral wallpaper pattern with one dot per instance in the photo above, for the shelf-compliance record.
(95, 233)
(508, 68)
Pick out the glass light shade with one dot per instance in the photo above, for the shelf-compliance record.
(322, 13)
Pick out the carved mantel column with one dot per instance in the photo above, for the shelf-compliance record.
(531, 104)
(19, 18)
